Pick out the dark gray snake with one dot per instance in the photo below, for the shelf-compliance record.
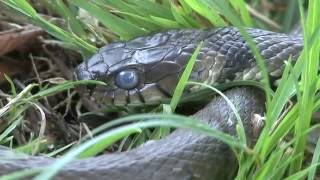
(147, 69)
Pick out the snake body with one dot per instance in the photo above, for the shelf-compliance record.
(154, 63)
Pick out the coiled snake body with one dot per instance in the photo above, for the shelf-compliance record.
(147, 69)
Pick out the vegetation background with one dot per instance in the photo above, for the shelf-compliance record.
(42, 114)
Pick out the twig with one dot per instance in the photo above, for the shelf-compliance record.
(263, 18)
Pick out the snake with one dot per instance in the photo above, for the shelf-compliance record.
(147, 69)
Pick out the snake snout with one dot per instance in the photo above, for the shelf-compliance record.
(81, 73)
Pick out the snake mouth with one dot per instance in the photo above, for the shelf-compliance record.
(147, 95)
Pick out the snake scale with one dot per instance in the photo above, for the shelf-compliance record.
(147, 69)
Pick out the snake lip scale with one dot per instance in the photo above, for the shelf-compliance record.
(147, 69)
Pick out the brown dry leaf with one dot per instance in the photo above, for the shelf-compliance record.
(12, 38)
(12, 67)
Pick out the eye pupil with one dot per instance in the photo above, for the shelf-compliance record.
(127, 79)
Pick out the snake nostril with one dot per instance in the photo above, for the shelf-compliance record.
(82, 75)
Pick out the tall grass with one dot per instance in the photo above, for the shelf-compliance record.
(273, 157)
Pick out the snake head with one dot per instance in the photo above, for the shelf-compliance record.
(147, 69)
(143, 70)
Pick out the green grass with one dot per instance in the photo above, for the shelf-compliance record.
(273, 156)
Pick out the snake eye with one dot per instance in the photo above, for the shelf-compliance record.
(127, 79)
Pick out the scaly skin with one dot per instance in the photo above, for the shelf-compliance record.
(159, 60)
(181, 155)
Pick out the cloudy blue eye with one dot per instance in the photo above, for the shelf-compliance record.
(127, 79)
